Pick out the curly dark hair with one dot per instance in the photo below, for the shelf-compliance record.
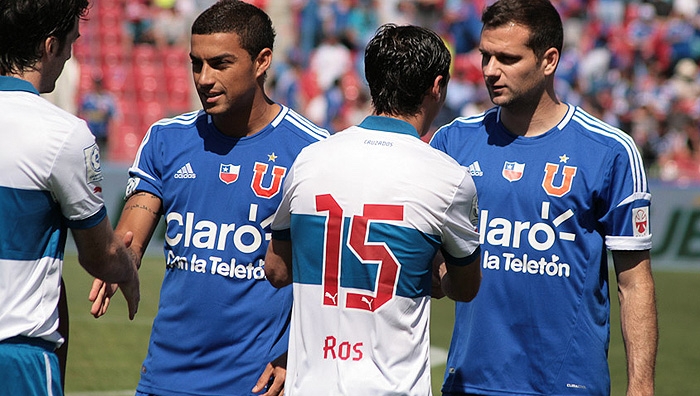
(26, 24)
(401, 64)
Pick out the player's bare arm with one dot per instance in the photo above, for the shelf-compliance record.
(278, 263)
(104, 254)
(638, 318)
(140, 215)
(138, 221)
(460, 283)
(438, 268)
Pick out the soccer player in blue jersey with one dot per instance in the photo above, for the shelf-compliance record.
(215, 176)
(557, 188)
(363, 215)
(50, 182)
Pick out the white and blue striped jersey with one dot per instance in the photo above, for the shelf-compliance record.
(219, 321)
(366, 211)
(550, 205)
(50, 181)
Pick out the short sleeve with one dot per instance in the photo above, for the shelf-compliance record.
(145, 174)
(281, 222)
(460, 237)
(76, 176)
(627, 203)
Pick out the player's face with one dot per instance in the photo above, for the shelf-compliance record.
(224, 74)
(513, 75)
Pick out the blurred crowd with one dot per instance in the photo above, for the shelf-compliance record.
(632, 63)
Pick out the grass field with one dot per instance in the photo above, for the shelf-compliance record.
(105, 354)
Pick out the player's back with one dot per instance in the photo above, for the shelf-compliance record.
(368, 209)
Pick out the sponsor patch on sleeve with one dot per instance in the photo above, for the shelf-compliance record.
(92, 164)
(640, 219)
(474, 215)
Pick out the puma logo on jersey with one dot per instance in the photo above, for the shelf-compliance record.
(332, 297)
(367, 301)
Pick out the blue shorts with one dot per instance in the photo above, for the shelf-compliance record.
(28, 366)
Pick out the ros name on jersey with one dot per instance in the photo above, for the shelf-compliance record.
(344, 350)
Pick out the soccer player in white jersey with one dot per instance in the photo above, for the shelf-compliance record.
(50, 181)
(557, 187)
(363, 215)
(215, 175)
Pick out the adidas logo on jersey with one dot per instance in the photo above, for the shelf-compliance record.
(185, 172)
(475, 169)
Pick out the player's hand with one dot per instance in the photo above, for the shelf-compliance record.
(100, 296)
(102, 292)
(131, 288)
(132, 294)
(438, 272)
(273, 377)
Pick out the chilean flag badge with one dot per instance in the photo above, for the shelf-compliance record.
(512, 171)
(228, 173)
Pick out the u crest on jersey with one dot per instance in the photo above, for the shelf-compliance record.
(275, 186)
(550, 171)
(229, 173)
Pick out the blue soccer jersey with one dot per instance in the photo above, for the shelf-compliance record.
(219, 321)
(549, 206)
(366, 211)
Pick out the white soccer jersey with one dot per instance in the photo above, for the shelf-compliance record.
(366, 210)
(49, 181)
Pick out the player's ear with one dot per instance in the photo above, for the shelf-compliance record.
(439, 88)
(550, 60)
(263, 62)
(51, 46)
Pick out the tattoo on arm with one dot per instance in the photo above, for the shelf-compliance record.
(134, 206)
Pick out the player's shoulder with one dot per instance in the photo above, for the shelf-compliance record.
(183, 121)
(466, 123)
(328, 143)
(444, 160)
(54, 116)
(172, 130)
(300, 126)
(463, 127)
(599, 132)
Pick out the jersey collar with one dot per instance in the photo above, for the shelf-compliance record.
(8, 83)
(388, 124)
